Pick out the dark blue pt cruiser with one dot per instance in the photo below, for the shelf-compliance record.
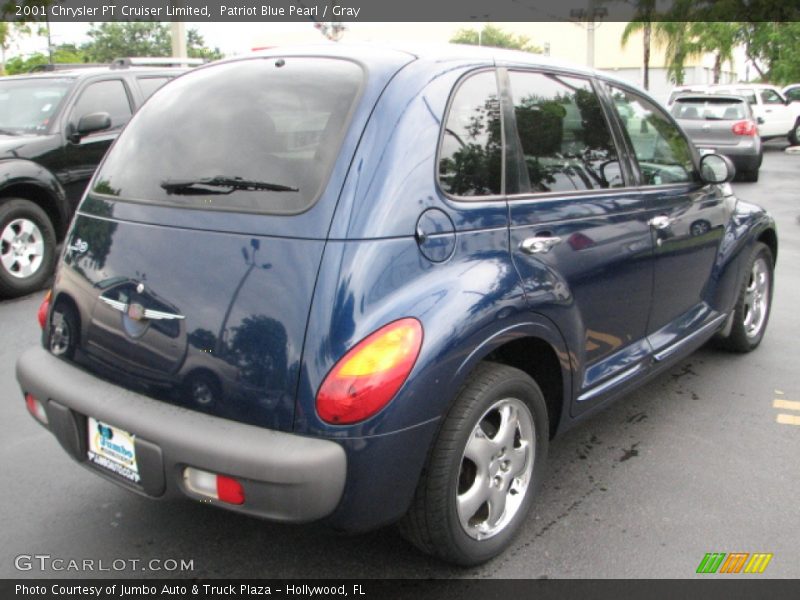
(366, 285)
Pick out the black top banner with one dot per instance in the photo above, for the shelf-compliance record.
(392, 10)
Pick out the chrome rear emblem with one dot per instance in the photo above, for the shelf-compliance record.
(140, 288)
(138, 313)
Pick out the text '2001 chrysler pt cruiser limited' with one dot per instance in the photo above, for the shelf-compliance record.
(368, 285)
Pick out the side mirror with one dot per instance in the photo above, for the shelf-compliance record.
(611, 172)
(715, 168)
(89, 124)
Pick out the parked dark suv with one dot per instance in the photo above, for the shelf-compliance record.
(55, 127)
(367, 285)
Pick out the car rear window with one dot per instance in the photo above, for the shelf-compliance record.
(709, 109)
(256, 135)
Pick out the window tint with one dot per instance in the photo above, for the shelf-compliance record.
(104, 96)
(255, 135)
(793, 94)
(661, 150)
(771, 97)
(149, 85)
(565, 139)
(470, 157)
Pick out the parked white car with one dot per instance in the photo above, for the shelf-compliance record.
(777, 116)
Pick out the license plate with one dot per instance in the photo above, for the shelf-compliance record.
(706, 150)
(113, 449)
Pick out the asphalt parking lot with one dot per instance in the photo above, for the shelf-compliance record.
(698, 461)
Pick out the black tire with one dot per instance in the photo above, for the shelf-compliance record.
(699, 227)
(794, 134)
(754, 301)
(433, 523)
(35, 248)
(62, 338)
(749, 176)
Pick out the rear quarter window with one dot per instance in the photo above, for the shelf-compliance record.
(470, 153)
(273, 125)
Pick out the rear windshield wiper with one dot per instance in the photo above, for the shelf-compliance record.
(196, 187)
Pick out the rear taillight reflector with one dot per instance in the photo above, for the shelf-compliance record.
(44, 307)
(368, 376)
(36, 408)
(215, 486)
(744, 128)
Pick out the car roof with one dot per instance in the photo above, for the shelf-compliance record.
(84, 72)
(434, 52)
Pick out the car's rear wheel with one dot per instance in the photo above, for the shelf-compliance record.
(751, 313)
(64, 330)
(481, 476)
(27, 247)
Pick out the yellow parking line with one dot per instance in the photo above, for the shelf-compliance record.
(786, 404)
(788, 419)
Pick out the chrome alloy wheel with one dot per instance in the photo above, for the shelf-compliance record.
(756, 298)
(496, 468)
(21, 248)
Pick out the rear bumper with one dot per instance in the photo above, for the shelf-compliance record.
(285, 477)
(745, 156)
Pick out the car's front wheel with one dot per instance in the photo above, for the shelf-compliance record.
(27, 247)
(483, 470)
(751, 313)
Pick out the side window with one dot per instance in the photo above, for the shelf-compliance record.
(149, 85)
(470, 156)
(104, 96)
(663, 154)
(793, 94)
(770, 97)
(565, 139)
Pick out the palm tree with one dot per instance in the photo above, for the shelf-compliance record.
(718, 38)
(642, 21)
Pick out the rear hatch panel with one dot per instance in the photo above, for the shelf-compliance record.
(232, 313)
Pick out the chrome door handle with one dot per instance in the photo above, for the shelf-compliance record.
(660, 222)
(538, 245)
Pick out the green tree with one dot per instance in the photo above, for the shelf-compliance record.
(115, 40)
(642, 21)
(772, 48)
(9, 33)
(494, 37)
(718, 38)
(64, 53)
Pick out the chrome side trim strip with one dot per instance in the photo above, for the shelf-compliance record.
(670, 350)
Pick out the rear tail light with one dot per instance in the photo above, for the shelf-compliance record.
(36, 408)
(41, 314)
(369, 375)
(215, 486)
(744, 128)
